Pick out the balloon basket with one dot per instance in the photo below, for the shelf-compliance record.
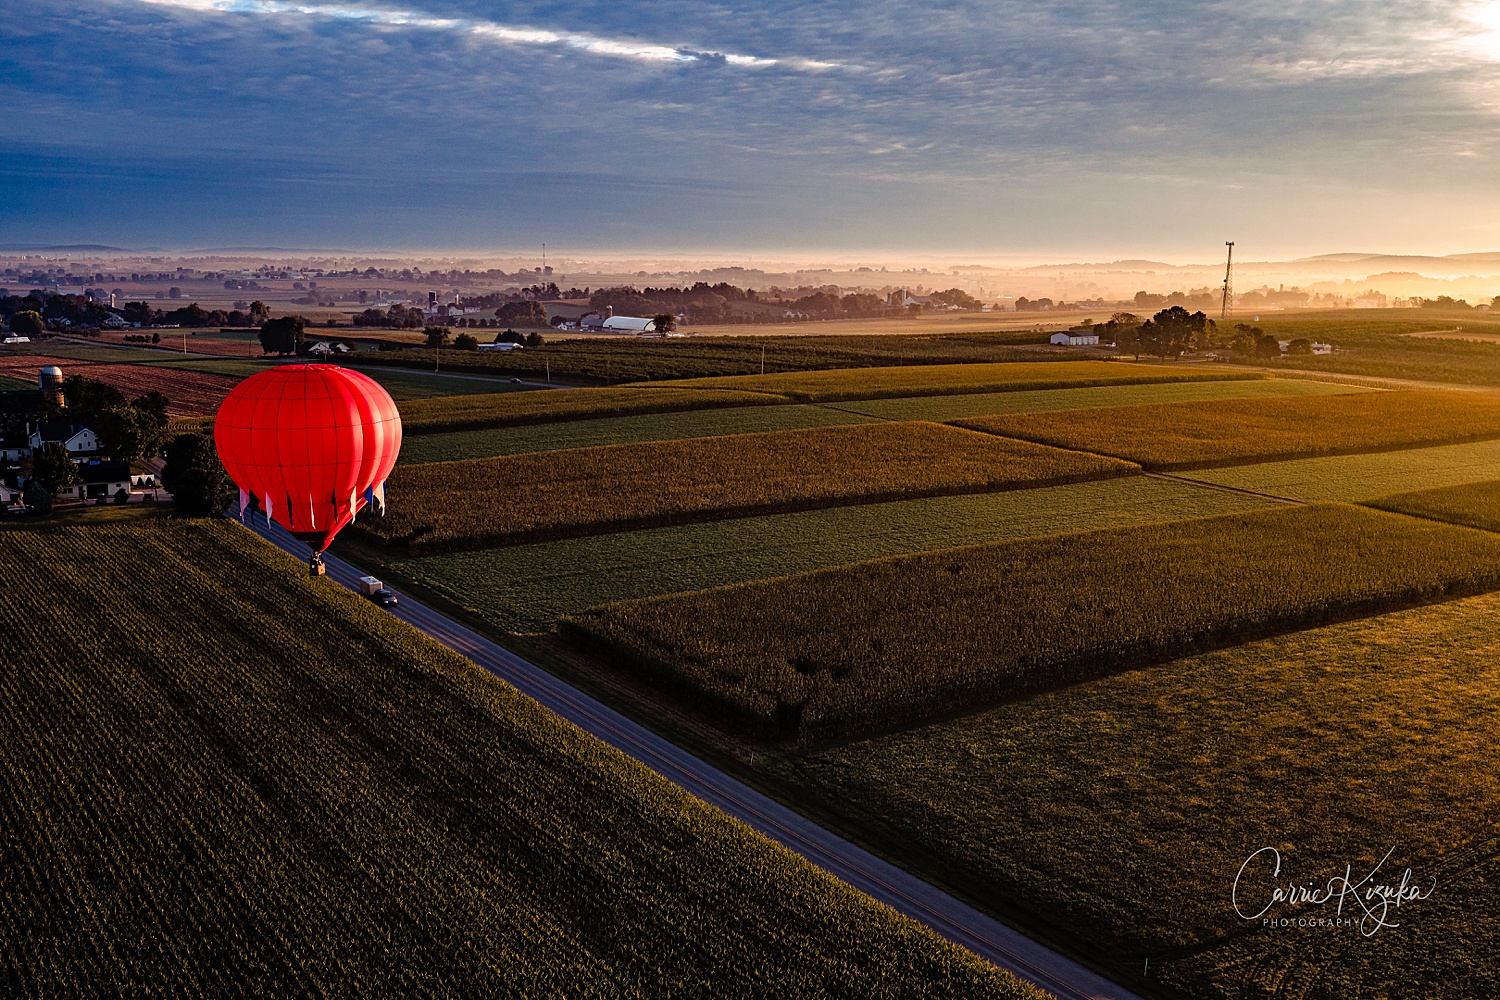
(315, 566)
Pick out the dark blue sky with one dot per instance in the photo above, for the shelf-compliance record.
(890, 126)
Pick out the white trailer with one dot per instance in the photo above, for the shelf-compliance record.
(369, 586)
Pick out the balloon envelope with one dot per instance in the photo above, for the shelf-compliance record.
(311, 443)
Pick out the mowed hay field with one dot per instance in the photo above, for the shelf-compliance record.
(1197, 434)
(227, 777)
(890, 640)
(431, 416)
(192, 394)
(453, 505)
(926, 380)
(1116, 813)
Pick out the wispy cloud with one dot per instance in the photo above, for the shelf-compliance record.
(491, 31)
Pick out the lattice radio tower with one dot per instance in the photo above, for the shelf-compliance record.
(1228, 281)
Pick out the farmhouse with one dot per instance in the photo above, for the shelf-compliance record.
(101, 478)
(13, 448)
(76, 438)
(1075, 338)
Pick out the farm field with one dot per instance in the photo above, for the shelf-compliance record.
(1198, 434)
(1074, 810)
(313, 798)
(1356, 478)
(891, 640)
(474, 412)
(401, 384)
(456, 445)
(192, 394)
(526, 588)
(613, 359)
(76, 351)
(1372, 343)
(927, 380)
(496, 501)
(1475, 505)
(942, 408)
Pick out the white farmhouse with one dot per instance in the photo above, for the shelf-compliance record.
(76, 438)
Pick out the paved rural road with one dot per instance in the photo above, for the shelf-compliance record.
(956, 921)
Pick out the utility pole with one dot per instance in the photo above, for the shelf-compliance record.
(1228, 281)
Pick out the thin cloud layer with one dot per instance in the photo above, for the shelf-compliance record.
(889, 122)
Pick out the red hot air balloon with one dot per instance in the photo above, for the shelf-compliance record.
(312, 443)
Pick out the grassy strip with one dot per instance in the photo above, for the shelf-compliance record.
(886, 641)
(1073, 809)
(1475, 505)
(1358, 478)
(928, 380)
(474, 412)
(225, 776)
(1221, 432)
(497, 501)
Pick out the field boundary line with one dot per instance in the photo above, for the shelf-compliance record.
(1220, 486)
(909, 895)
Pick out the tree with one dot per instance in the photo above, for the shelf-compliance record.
(665, 323)
(155, 405)
(88, 397)
(122, 495)
(1172, 331)
(259, 312)
(194, 477)
(1301, 347)
(533, 339)
(53, 468)
(128, 434)
(156, 338)
(28, 323)
(436, 336)
(1267, 347)
(36, 498)
(282, 335)
(528, 313)
(465, 342)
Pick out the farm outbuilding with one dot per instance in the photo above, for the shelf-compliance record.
(1075, 338)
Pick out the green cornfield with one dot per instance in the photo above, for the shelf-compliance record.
(221, 778)
(1228, 431)
(1476, 505)
(827, 652)
(445, 506)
